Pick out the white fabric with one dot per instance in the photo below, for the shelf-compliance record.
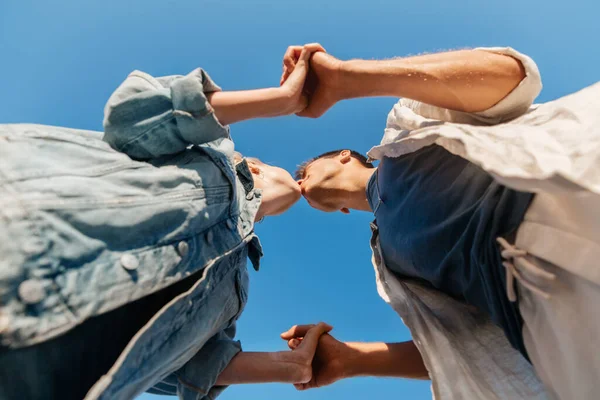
(554, 148)
(467, 356)
(562, 331)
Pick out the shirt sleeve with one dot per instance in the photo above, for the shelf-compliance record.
(513, 105)
(196, 380)
(518, 101)
(147, 117)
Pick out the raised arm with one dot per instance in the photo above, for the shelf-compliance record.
(464, 80)
(148, 117)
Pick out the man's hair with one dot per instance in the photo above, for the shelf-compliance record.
(299, 174)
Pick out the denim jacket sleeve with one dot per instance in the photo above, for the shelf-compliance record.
(197, 378)
(147, 117)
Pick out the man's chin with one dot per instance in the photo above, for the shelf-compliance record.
(321, 207)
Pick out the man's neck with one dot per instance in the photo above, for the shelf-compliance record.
(357, 189)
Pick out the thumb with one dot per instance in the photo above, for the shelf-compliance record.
(304, 58)
(296, 331)
(311, 339)
(294, 343)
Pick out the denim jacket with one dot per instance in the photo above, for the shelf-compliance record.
(91, 223)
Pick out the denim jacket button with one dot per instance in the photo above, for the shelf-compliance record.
(209, 237)
(183, 249)
(230, 224)
(31, 291)
(129, 262)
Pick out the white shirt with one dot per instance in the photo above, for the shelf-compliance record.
(552, 147)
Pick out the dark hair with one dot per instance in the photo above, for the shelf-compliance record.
(299, 174)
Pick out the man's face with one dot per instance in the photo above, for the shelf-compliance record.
(321, 186)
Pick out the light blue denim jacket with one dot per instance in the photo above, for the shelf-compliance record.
(91, 223)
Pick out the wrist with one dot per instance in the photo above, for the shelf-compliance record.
(345, 73)
(286, 102)
(295, 367)
(352, 362)
(368, 78)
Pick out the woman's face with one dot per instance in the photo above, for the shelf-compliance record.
(279, 190)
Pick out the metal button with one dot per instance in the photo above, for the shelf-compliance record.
(183, 249)
(129, 262)
(31, 291)
(209, 237)
(230, 224)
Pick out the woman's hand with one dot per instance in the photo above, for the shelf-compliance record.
(304, 351)
(323, 85)
(329, 363)
(282, 366)
(296, 66)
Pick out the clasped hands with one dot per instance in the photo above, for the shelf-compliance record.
(311, 79)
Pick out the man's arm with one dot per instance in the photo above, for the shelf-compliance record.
(466, 80)
(399, 360)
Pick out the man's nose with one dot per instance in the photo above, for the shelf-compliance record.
(302, 187)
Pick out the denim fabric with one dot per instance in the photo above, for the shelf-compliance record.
(87, 228)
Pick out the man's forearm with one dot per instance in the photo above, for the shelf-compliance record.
(400, 360)
(231, 107)
(250, 367)
(465, 80)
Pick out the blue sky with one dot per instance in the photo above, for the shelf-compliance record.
(60, 60)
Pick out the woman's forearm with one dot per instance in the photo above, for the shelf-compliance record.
(231, 107)
(250, 367)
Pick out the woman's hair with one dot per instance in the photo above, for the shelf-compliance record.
(238, 157)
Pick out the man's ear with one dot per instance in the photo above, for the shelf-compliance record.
(345, 156)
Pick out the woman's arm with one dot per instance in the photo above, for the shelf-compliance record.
(283, 366)
(148, 117)
(232, 107)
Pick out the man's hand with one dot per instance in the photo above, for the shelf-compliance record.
(331, 361)
(322, 85)
(293, 81)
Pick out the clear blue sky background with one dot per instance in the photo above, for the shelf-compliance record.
(60, 60)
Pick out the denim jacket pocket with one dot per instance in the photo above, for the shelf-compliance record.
(242, 282)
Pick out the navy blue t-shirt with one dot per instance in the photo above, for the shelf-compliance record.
(438, 218)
